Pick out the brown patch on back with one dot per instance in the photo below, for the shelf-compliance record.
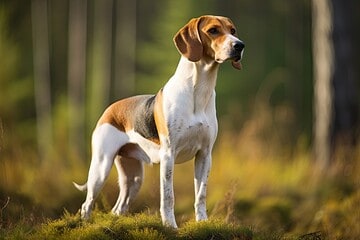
(159, 115)
(119, 114)
(129, 114)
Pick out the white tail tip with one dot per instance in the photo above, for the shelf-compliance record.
(82, 188)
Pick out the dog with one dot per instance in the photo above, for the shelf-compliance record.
(176, 125)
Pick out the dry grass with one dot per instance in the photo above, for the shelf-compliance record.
(259, 179)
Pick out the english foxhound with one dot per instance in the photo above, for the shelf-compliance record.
(174, 126)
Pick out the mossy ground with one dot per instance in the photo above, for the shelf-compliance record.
(103, 226)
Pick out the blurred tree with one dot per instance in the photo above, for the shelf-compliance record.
(100, 60)
(124, 49)
(335, 102)
(345, 75)
(9, 55)
(39, 13)
(115, 35)
(77, 75)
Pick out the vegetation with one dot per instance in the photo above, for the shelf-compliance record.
(264, 182)
(267, 197)
(139, 226)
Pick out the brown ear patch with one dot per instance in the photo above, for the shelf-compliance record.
(188, 42)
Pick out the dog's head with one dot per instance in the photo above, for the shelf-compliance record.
(211, 38)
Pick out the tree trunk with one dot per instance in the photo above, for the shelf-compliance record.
(77, 75)
(323, 70)
(100, 75)
(125, 49)
(39, 18)
(346, 105)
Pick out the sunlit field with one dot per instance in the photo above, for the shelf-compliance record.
(255, 182)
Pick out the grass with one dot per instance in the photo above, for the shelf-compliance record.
(135, 227)
(268, 198)
(261, 187)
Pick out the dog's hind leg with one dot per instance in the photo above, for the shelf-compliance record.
(106, 142)
(130, 172)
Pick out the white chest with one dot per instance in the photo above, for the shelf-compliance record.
(189, 109)
(192, 135)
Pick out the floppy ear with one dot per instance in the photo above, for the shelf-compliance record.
(188, 42)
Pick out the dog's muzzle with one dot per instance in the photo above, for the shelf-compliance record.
(236, 55)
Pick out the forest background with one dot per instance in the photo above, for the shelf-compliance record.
(63, 62)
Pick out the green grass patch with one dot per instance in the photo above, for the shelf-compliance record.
(214, 229)
(104, 226)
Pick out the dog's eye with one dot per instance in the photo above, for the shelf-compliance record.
(233, 31)
(213, 31)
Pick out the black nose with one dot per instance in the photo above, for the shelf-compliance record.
(239, 46)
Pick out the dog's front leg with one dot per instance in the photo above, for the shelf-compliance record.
(202, 170)
(166, 187)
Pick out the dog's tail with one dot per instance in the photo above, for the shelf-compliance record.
(82, 188)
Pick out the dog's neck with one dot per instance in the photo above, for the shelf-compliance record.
(198, 71)
(197, 79)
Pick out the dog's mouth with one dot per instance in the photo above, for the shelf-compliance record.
(235, 59)
(237, 53)
(236, 62)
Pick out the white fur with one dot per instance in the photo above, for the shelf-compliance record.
(149, 147)
(189, 108)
